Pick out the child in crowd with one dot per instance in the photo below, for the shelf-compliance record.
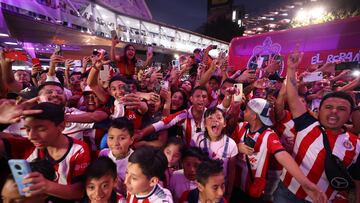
(217, 144)
(185, 179)
(101, 180)
(172, 151)
(145, 169)
(210, 184)
(120, 137)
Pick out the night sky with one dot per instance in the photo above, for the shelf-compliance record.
(191, 14)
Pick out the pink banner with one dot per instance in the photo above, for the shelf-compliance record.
(332, 41)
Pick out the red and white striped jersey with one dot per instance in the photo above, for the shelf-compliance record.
(157, 195)
(266, 145)
(309, 154)
(285, 128)
(76, 130)
(69, 169)
(183, 118)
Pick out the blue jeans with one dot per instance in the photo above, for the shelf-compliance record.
(283, 195)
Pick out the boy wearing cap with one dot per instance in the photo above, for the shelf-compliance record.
(257, 143)
(45, 140)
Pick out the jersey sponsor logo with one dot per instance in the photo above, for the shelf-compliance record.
(348, 145)
(80, 166)
(339, 182)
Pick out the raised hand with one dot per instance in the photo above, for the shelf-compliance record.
(294, 58)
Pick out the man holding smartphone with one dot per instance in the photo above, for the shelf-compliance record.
(45, 140)
(257, 142)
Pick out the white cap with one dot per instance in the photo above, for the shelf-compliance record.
(262, 108)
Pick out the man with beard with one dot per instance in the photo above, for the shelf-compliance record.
(313, 135)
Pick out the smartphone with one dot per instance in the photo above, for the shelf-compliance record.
(260, 61)
(127, 89)
(139, 63)
(164, 85)
(58, 50)
(347, 65)
(19, 169)
(278, 58)
(16, 55)
(77, 63)
(176, 63)
(253, 65)
(249, 141)
(113, 34)
(150, 49)
(239, 93)
(313, 76)
(35, 61)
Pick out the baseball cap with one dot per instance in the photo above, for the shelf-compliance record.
(87, 90)
(262, 108)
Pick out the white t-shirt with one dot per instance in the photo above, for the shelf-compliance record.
(121, 164)
(157, 195)
(216, 149)
(179, 184)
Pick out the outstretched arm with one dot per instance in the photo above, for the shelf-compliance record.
(296, 107)
(285, 159)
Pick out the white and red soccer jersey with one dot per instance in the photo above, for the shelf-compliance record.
(69, 169)
(121, 164)
(309, 154)
(118, 110)
(76, 130)
(157, 195)
(183, 118)
(286, 129)
(179, 184)
(266, 145)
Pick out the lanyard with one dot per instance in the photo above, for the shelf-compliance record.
(206, 149)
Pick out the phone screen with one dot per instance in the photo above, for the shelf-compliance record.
(113, 34)
(35, 61)
(239, 92)
(77, 63)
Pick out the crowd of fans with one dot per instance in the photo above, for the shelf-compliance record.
(185, 132)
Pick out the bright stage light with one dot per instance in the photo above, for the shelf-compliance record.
(356, 73)
(302, 15)
(317, 12)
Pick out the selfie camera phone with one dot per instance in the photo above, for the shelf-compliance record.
(150, 49)
(175, 63)
(19, 169)
(58, 50)
(77, 63)
(313, 76)
(35, 61)
(113, 34)
(239, 92)
(164, 85)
